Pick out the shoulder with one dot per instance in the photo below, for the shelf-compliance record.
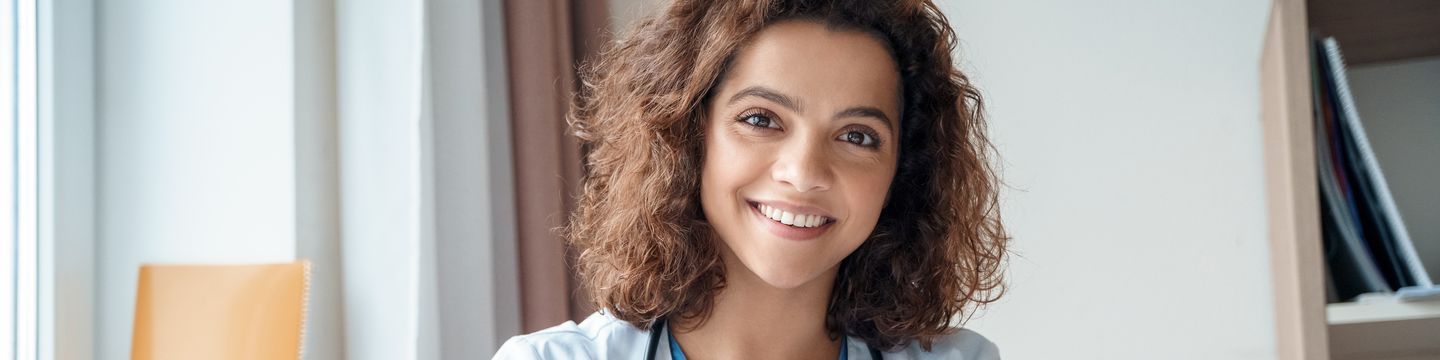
(960, 344)
(599, 336)
(964, 344)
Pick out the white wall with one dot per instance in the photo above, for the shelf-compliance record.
(1130, 138)
(1399, 103)
(195, 143)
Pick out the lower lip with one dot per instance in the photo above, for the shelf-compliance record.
(787, 231)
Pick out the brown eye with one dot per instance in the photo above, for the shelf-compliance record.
(858, 138)
(760, 120)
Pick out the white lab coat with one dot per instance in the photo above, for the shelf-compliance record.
(602, 336)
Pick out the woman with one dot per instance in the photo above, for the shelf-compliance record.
(772, 179)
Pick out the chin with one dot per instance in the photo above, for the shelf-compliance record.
(785, 280)
(783, 273)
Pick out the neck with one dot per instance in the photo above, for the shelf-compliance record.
(752, 320)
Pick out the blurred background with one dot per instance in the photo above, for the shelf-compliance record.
(415, 152)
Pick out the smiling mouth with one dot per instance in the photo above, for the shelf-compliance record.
(791, 219)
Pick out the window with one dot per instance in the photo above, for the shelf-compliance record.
(18, 180)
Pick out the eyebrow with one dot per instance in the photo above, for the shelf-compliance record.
(866, 111)
(767, 94)
(790, 103)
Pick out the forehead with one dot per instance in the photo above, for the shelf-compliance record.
(820, 66)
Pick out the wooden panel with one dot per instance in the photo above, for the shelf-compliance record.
(1379, 30)
(1293, 214)
(1379, 311)
(1389, 340)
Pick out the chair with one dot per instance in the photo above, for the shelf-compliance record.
(220, 311)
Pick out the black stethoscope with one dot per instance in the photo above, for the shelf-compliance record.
(659, 325)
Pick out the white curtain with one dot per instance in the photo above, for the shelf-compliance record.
(425, 252)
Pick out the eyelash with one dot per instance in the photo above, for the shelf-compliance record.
(758, 113)
(874, 138)
(751, 117)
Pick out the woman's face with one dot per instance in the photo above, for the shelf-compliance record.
(801, 143)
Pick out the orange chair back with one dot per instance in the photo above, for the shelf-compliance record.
(220, 311)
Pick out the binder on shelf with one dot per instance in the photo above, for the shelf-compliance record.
(1367, 246)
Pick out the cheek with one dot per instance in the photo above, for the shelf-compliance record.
(866, 193)
(728, 167)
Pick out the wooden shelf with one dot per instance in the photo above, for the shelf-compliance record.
(1375, 31)
(1307, 327)
(1384, 330)
(1358, 313)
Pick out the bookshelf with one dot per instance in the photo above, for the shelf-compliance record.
(1306, 326)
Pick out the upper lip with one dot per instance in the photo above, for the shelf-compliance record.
(794, 208)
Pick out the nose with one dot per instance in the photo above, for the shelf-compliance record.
(803, 167)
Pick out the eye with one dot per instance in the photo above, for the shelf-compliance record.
(759, 119)
(860, 138)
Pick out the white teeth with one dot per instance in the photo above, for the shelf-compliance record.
(792, 219)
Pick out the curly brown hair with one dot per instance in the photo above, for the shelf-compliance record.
(646, 249)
